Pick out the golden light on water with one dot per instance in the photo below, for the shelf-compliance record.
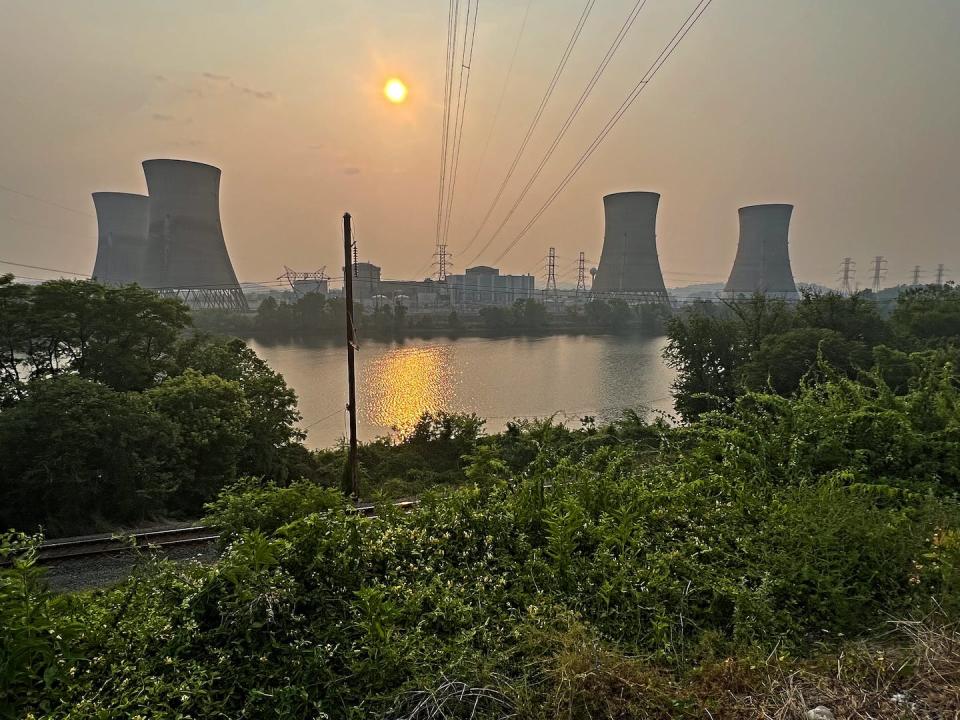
(404, 383)
(395, 90)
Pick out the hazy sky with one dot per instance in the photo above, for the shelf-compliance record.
(849, 109)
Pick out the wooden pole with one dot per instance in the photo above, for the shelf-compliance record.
(352, 478)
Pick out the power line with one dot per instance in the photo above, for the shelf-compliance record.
(40, 267)
(44, 200)
(588, 7)
(452, 30)
(574, 111)
(632, 96)
(503, 92)
(466, 63)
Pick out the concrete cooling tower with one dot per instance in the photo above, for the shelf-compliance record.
(628, 262)
(186, 255)
(121, 237)
(762, 264)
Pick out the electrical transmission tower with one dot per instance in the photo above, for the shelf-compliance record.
(916, 274)
(581, 274)
(552, 271)
(940, 272)
(847, 272)
(879, 272)
(443, 262)
(305, 282)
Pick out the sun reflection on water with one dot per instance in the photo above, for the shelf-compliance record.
(402, 384)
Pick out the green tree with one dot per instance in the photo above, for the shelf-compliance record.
(270, 431)
(782, 360)
(74, 451)
(928, 315)
(211, 418)
(15, 338)
(707, 353)
(496, 318)
(529, 314)
(855, 317)
(120, 336)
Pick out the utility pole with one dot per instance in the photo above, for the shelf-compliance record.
(351, 477)
(552, 271)
(916, 274)
(879, 272)
(940, 272)
(581, 274)
(847, 272)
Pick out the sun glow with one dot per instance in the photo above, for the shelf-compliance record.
(395, 91)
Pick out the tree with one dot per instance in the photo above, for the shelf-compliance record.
(211, 419)
(73, 450)
(783, 360)
(707, 353)
(271, 423)
(530, 314)
(855, 317)
(929, 315)
(120, 336)
(495, 318)
(15, 338)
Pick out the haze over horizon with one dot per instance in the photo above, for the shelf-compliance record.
(850, 114)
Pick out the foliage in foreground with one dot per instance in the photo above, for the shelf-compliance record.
(109, 414)
(612, 575)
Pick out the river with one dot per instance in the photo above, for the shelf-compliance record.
(498, 378)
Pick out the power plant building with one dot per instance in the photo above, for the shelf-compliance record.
(121, 237)
(762, 264)
(484, 286)
(629, 265)
(186, 255)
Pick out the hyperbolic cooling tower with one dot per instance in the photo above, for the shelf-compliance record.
(186, 254)
(628, 261)
(121, 237)
(762, 264)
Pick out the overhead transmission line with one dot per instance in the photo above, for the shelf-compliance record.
(503, 92)
(44, 200)
(574, 111)
(632, 96)
(452, 30)
(568, 50)
(463, 87)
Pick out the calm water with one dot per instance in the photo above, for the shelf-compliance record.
(496, 378)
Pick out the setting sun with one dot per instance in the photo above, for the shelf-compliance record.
(395, 91)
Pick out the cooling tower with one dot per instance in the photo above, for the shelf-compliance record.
(186, 254)
(121, 237)
(762, 264)
(628, 261)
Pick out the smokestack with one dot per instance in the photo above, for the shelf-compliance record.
(762, 264)
(186, 254)
(121, 237)
(628, 261)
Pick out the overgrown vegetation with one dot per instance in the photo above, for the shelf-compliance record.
(721, 351)
(747, 563)
(109, 413)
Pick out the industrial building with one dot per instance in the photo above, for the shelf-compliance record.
(121, 237)
(762, 264)
(483, 285)
(186, 255)
(629, 265)
(370, 288)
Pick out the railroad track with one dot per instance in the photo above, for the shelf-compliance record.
(76, 548)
